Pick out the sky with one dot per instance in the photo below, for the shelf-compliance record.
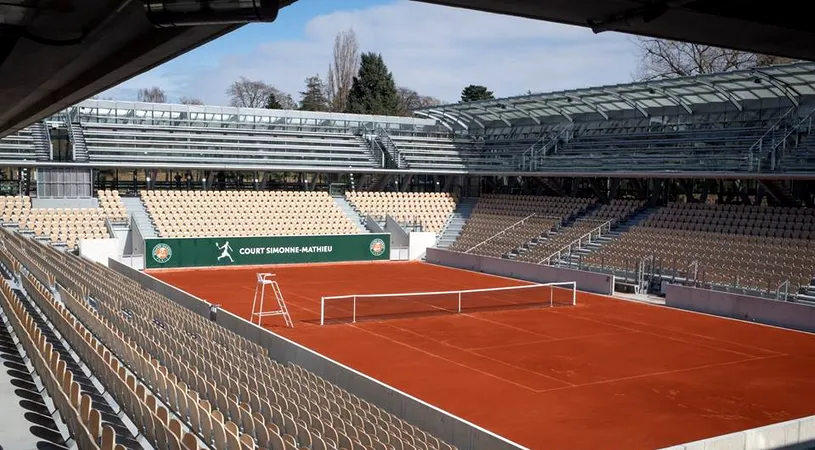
(434, 50)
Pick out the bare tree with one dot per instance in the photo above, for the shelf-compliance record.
(661, 58)
(190, 101)
(246, 93)
(410, 100)
(342, 70)
(152, 95)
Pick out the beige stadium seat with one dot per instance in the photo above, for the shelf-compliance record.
(247, 213)
(431, 210)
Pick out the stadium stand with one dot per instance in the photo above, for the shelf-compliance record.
(540, 249)
(429, 209)
(65, 226)
(245, 213)
(756, 247)
(500, 222)
(121, 133)
(23, 145)
(183, 381)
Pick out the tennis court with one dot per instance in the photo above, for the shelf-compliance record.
(605, 373)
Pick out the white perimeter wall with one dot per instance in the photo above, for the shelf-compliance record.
(100, 250)
(793, 435)
(797, 316)
(419, 241)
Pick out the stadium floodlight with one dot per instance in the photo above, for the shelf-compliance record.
(176, 13)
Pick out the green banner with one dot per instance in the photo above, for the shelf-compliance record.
(241, 251)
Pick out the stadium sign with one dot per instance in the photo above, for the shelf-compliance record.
(241, 251)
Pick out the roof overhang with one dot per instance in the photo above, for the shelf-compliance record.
(774, 28)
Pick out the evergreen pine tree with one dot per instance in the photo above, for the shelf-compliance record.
(373, 90)
(314, 97)
(272, 103)
(474, 93)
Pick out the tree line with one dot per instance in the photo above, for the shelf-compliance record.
(361, 83)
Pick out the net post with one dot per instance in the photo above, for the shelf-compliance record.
(322, 311)
(574, 293)
(552, 296)
(459, 302)
(354, 318)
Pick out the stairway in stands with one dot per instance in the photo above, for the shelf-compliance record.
(532, 243)
(77, 137)
(42, 142)
(455, 223)
(135, 209)
(350, 212)
(573, 261)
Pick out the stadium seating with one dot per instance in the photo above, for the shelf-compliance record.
(539, 249)
(63, 225)
(444, 152)
(245, 213)
(500, 223)
(755, 247)
(185, 382)
(707, 142)
(117, 142)
(430, 209)
(112, 206)
(19, 146)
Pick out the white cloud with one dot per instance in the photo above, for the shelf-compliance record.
(433, 49)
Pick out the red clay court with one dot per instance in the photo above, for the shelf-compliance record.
(606, 373)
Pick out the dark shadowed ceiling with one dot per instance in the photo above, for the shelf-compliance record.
(54, 53)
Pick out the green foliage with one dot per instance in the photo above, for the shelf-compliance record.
(474, 93)
(272, 103)
(314, 98)
(373, 90)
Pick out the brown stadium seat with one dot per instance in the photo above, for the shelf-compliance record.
(757, 247)
(188, 383)
(500, 223)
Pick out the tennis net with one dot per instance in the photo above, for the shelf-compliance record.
(354, 307)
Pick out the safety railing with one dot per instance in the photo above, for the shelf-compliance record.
(500, 233)
(756, 152)
(783, 295)
(533, 156)
(391, 147)
(577, 243)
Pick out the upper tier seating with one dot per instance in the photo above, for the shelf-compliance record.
(245, 213)
(21, 145)
(752, 246)
(184, 381)
(62, 225)
(706, 145)
(445, 152)
(111, 142)
(430, 209)
(703, 142)
(500, 223)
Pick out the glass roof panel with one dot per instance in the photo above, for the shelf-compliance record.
(764, 83)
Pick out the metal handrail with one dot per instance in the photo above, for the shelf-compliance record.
(786, 286)
(386, 139)
(500, 232)
(577, 241)
(783, 139)
(759, 142)
(547, 139)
